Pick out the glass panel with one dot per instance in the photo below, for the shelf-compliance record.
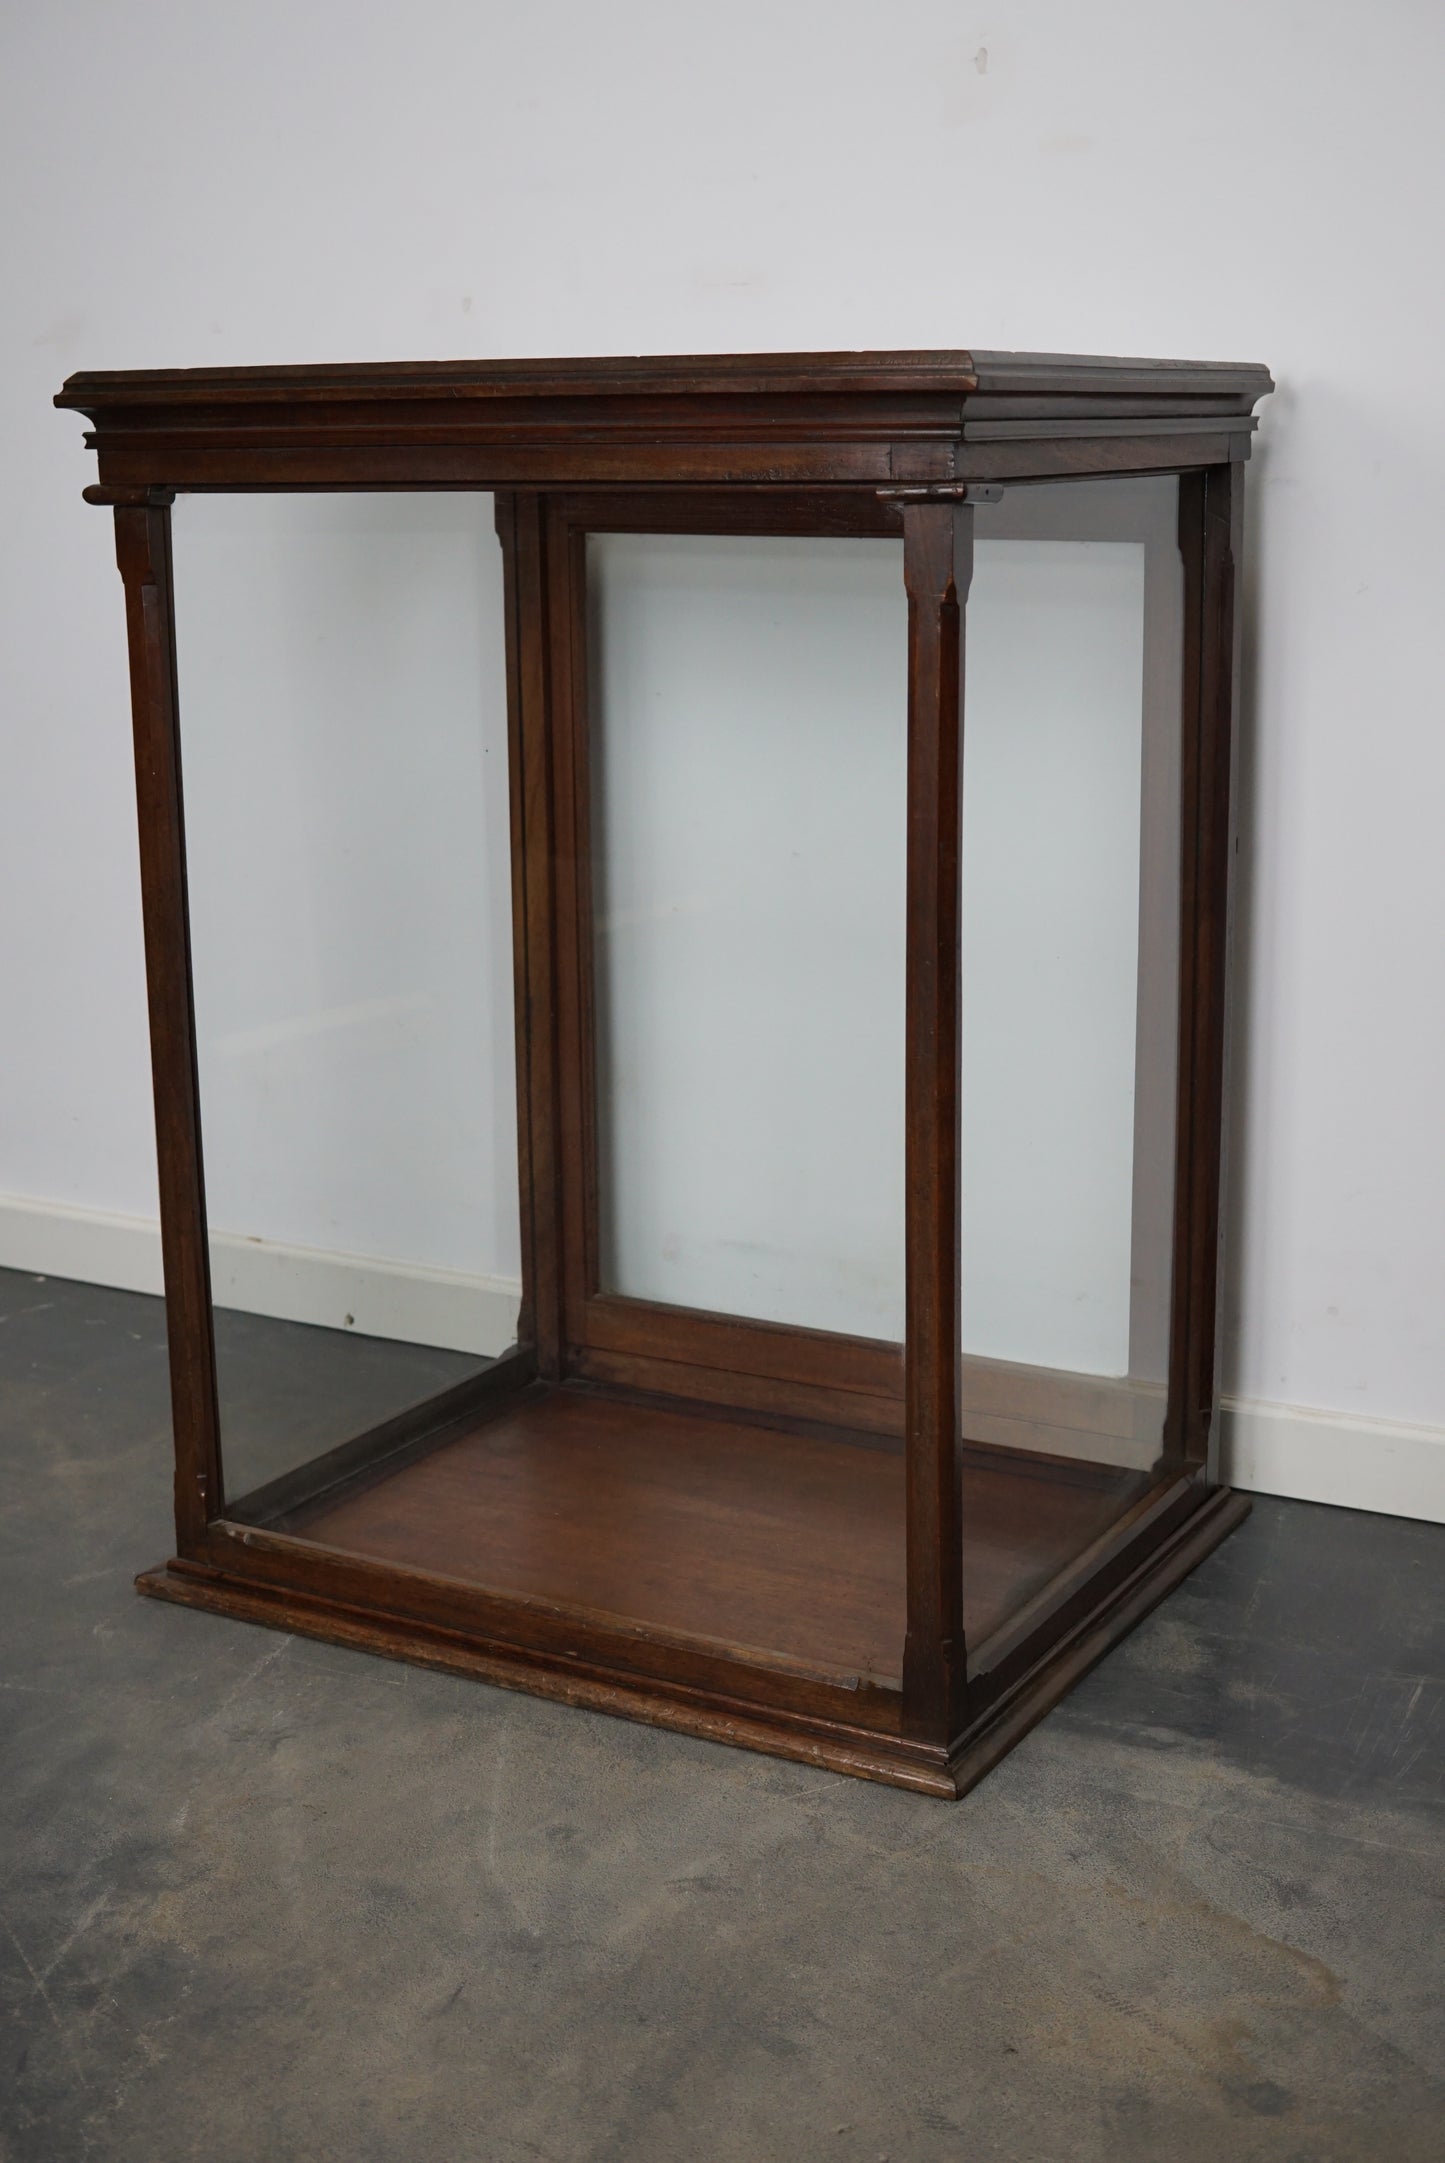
(748, 770)
(1070, 923)
(343, 716)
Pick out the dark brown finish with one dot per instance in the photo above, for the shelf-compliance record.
(835, 1744)
(519, 528)
(1211, 510)
(143, 553)
(743, 1537)
(782, 1545)
(564, 629)
(755, 1533)
(737, 1388)
(937, 572)
(786, 417)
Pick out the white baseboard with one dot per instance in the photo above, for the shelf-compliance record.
(1390, 1466)
(402, 1300)
(1274, 1449)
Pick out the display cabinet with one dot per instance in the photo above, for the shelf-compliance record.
(712, 1110)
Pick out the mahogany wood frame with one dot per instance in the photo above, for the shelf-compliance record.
(810, 444)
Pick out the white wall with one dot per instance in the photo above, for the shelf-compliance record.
(188, 184)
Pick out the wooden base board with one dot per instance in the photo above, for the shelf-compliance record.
(864, 1756)
(694, 1522)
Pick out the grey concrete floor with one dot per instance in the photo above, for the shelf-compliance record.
(266, 1899)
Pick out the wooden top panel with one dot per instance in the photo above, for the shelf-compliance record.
(790, 418)
(955, 374)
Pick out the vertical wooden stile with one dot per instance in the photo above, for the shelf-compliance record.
(568, 731)
(1210, 536)
(1223, 549)
(521, 528)
(938, 564)
(143, 554)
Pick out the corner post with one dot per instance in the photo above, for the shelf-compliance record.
(1211, 531)
(143, 553)
(521, 529)
(937, 568)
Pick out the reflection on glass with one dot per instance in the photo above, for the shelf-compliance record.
(1070, 918)
(343, 729)
(748, 766)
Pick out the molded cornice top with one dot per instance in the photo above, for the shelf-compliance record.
(703, 418)
(737, 375)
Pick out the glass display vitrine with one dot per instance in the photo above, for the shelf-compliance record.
(692, 951)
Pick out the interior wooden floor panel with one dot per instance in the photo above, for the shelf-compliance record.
(711, 1526)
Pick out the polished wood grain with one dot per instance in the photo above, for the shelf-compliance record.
(837, 1746)
(1220, 496)
(937, 572)
(760, 419)
(520, 528)
(1100, 379)
(1211, 513)
(779, 1351)
(742, 1534)
(143, 553)
(195, 460)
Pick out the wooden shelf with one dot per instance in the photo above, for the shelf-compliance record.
(773, 1543)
